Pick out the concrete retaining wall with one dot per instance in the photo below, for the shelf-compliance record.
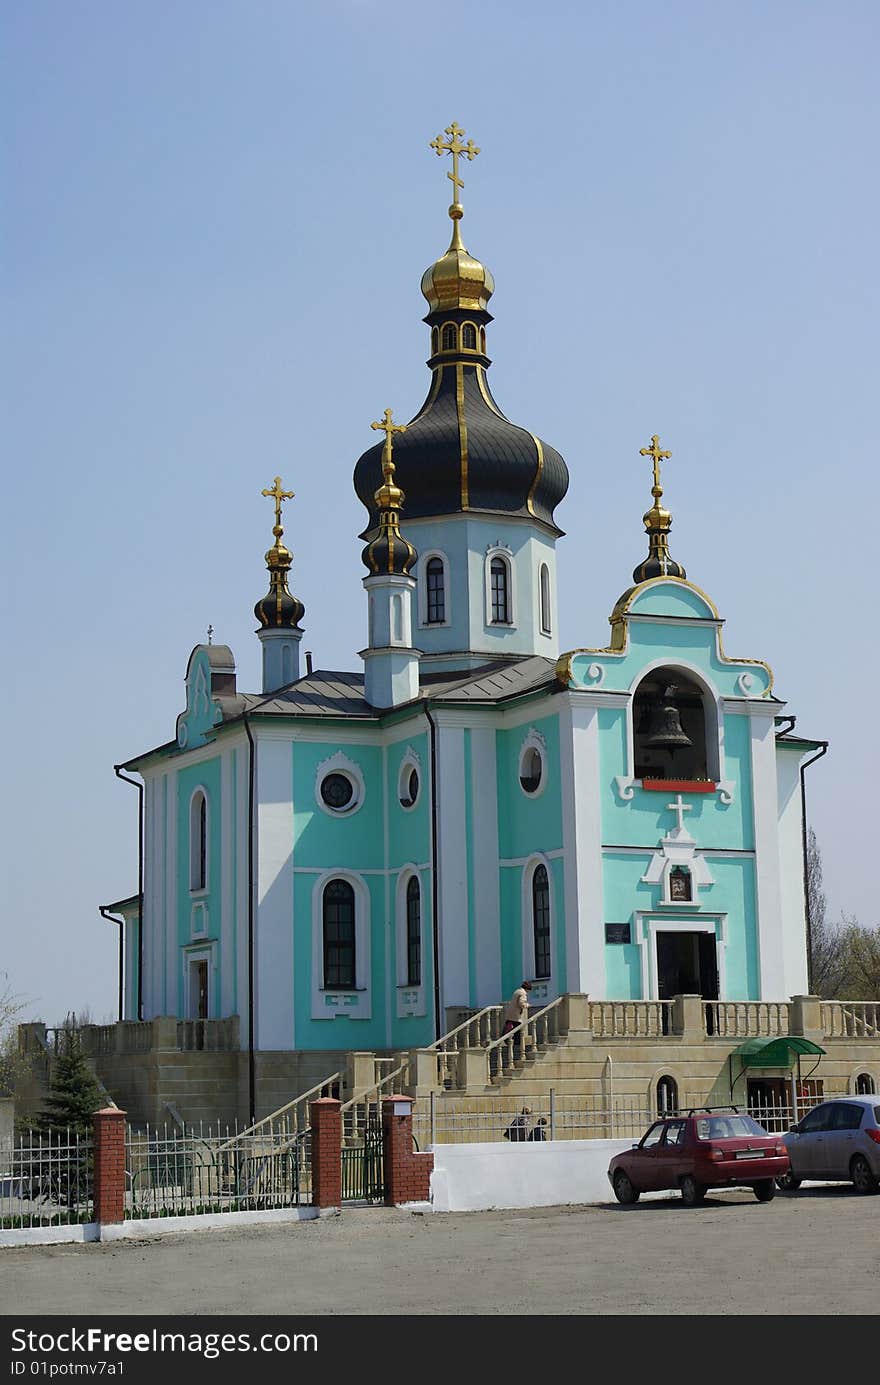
(478, 1177)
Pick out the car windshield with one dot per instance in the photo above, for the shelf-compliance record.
(727, 1127)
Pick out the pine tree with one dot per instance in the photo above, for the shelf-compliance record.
(73, 1094)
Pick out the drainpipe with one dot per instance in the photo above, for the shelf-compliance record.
(609, 1065)
(102, 910)
(435, 892)
(117, 770)
(252, 1085)
(805, 766)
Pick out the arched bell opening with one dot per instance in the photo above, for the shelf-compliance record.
(674, 727)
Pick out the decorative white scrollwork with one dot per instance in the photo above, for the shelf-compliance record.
(744, 683)
(596, 674)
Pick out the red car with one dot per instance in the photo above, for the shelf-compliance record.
(701, 1149)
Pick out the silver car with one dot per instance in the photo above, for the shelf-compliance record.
(838, 1140)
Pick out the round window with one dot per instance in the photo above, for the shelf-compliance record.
(530, 770)
(337, 791)
(409, 787)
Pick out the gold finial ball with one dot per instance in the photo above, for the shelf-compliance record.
(456, 211)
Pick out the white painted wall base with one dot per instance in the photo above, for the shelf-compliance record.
(479, 1177)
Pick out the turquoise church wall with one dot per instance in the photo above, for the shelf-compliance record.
(528, 823)
(190, 777)
(324, 841)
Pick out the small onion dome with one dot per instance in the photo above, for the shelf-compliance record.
(658, 522)
(457, 280)
(278, 609)
(389, 551)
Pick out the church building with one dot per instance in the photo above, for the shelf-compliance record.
(346, 856)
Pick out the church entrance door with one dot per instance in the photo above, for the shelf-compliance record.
(687, 965)
(198, 989)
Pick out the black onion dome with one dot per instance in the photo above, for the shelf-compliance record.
(390, 553)
(460, 452)
(278, 609)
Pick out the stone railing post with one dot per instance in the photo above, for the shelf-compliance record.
(360, 1071)
(407, 1174)
(574, 1013)
(164, 1034)
(805, 1016)
(422, 1071)
(687, 1018)
(325, 1116)
(109, 1165)
(471, 1070)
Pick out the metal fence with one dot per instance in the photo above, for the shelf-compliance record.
(46, 1180)
(446, 1120)
(173, 1172)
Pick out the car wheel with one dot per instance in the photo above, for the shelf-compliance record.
(692, 1192)
(862, 1177)
(765, 1191)
(624, 1190)
(788, 1182)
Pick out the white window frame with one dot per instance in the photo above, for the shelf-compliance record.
(340, 763)
(330, 1004)
(500, 550)
(424, 623)
(409, 763)
(533, 741)
(545, 606)
(544, 989)
(198, 891)
(410, 999)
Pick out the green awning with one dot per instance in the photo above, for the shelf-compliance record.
(774, 1053)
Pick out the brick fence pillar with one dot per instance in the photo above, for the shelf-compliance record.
(109, 1176)
(326, 1121)
(407, 1174)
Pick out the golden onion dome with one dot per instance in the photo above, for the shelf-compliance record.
(457, 280)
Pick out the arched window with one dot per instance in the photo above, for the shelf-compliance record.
(541, 921)
(397, 618)
(435, 340)
(865, 1084)
(469, 337)
(198, 841)
(545, 599)
(286, 663)
(667, 1096)
(483, 340)
(435, 578)
(450, 336)
(669, 727)
(413, 932)
(339, 951)
(500, 578)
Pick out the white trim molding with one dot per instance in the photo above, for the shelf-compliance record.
(499, 550)
(422, 590)
(340, 763)
(544, 988)
(410, 998)
(328, 1004)
(649, 922)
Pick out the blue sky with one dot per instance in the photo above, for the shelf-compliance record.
(216, 218)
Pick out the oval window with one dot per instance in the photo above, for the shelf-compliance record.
(337, 791)
(409, 787)
(530, 770)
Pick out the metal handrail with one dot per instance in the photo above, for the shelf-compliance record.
(304, 1096)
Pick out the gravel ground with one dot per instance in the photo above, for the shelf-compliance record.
(815, 1252)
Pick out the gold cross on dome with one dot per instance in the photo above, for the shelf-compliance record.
(389, 429)
(277, 494)
(658, 456)
(454, 147)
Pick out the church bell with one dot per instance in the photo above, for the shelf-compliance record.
(667, 732)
